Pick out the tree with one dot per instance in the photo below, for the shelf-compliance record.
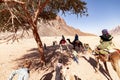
(24, 14)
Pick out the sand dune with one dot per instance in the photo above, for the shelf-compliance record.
(12, 55)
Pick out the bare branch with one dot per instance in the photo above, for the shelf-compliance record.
(12, 16)
(40, 9)
(3, 10)
(7, 23)
(12, 1)
(28, 16)
(8, 38)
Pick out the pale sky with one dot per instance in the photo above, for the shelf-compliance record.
(103, 14)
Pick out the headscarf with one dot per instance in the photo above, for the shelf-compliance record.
(76, 37)
(105, 35)
(63, 37)
(105, 32)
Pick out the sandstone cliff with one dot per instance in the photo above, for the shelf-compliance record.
(59, 27)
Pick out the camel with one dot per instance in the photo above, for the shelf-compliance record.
(113, 58)
(77, 44)
(87, 48)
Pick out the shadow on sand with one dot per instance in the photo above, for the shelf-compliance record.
(47, 76)
(93, 63)
(51, 53)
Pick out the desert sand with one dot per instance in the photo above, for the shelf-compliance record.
(13, 55)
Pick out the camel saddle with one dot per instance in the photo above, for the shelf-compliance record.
(104, 57)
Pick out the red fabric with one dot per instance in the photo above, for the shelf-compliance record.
(62, 42)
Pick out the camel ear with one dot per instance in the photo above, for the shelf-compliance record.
(68, 39)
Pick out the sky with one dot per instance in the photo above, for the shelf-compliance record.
(103, 14)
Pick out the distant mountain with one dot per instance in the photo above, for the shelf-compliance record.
(115, 31)
(55, 27)
(59, 27)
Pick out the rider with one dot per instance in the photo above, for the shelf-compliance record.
(62, 41)
(76, 40)
(105, 42)
(63, 44)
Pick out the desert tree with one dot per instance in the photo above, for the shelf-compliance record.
(24, 15)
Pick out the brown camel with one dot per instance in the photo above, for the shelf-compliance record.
(115, 61)
(113, 58)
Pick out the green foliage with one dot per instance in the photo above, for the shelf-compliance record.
(4, 16)
(72, 6)
(76, 7)
(47, 15)
(49, 12)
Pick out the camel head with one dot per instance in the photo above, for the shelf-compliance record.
(68, 40)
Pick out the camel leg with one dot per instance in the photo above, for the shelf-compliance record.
(116, 66)
(74, 47)
(61, 48)
(81, 49)
(97, 64)
(67, 47)
(106, 68)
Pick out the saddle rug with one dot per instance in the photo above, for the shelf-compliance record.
(110, 50)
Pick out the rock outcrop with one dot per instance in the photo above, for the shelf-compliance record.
(115, 31)
(58, 27)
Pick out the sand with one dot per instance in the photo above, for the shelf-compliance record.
(13, 55)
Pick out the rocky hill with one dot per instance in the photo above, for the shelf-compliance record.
(115, 31)
(55, 27)
(59, 27)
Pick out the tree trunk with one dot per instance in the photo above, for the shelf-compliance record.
(39, 44)
(33, 23)
(35, 31)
